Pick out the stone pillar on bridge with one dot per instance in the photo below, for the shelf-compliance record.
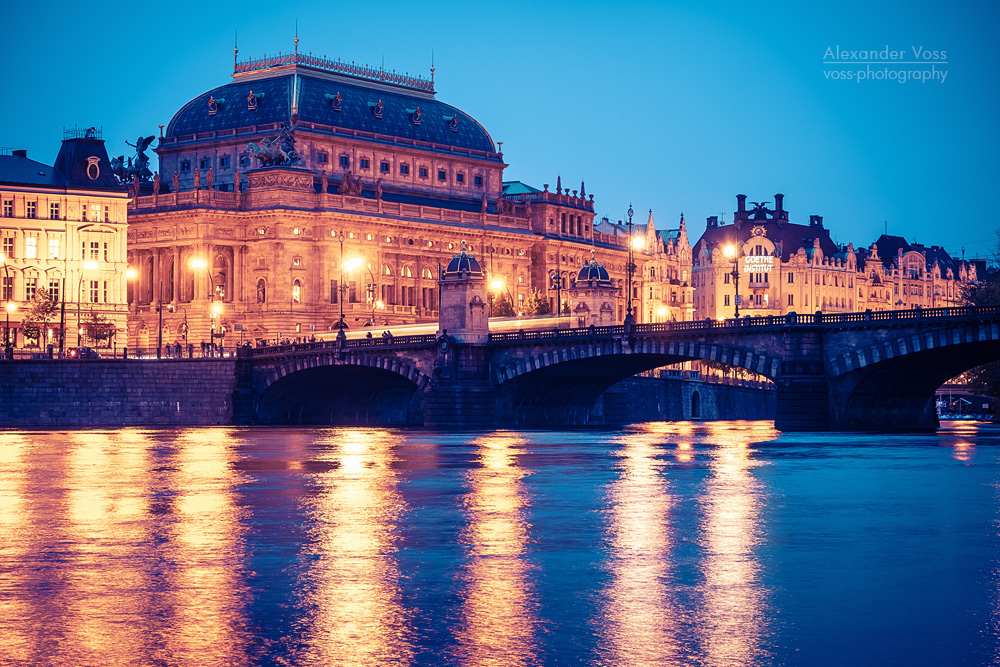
(463, 300)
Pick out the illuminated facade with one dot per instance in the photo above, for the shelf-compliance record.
(384, 173)
(63, 230)
(784, 267)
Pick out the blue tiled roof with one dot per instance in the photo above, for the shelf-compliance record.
(18, 170)
(315, 94)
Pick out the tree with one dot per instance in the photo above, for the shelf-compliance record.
(503, 307)
(42, 309)
(99, 328)
(537, 304)
(985, 379)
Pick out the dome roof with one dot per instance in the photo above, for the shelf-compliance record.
(463, 263)
(594, 271)
(314, 95)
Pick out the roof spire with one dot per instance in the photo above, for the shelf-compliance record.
(236, 40)
(432, 66)
(583, 189)
(682, 219)
(559, 184)
(296, 36)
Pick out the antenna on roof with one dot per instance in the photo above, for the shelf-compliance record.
(432, 65)
(236, 36)
(296, 36)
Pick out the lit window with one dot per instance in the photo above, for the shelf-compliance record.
(8, 247)
(94, 291)
(297, 261)
(30, 247)
(53, 211)
(54, 289)
(107, 214)
(53, 248)
(30, 287)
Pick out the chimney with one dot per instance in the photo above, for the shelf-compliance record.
(20, 153)
(816, 221)
(779, 204)
(741, 206)
(712, 221)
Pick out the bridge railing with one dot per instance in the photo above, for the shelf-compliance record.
(353, 343)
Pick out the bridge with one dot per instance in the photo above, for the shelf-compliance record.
(871, 370)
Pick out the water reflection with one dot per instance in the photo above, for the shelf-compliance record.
(351, 587)
(639, 618)
(19, 627)
(734, 606)
(499, 614)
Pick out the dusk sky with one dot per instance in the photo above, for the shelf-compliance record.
(672, 107)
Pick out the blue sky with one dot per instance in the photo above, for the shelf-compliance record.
(675, 107)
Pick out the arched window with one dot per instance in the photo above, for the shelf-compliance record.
(297, 292)
(426, 273)
(386, 270)
(406, 272)
(261, 291)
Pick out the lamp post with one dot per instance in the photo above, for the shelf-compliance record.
(557, 280)
(730, 252)
(88, 266)
(11, 306)
(372, 288)
(630, 270)
(198, 263)
(351, 265)
(498, 284)
(214, 313)
(8, 346)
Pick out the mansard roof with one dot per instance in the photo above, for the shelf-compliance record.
(789, 236)
(313, 94)
(81, 164)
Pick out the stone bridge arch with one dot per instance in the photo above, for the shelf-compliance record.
(356, 389)
(889, 379)
(561, 383)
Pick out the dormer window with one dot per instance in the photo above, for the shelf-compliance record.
(377, 108)
(251, 101)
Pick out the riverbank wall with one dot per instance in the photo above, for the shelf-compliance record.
(94, 393)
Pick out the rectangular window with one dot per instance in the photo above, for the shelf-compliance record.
(30, 247)
(352, 292)
(32, 211)
(334, 297)
(384, 167)
(442, 175)
(725, 278)
(224, 162)
(345, 161)
(322, 157)
(105, 285)
(404, 170)
(725, 301)
(791, 299)
(8, 288)
(54, 290)
(478, 181)
(53, 248)
(365, 163)
(205, 162)
(244, 161)
(95, 251)
(94, 291)
(107, 214)
(106, 251)
(53, 211)
(185, 166)
(83, 213)
(460, 178)
(791, 278)
(30, 287)
(8, 247)
(423, 172)
(8, 208)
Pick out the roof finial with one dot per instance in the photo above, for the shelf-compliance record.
(593, 253)
(559, 184)
(296, 36)
(236, 40)
(583, 189)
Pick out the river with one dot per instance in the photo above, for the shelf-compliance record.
(715, 544)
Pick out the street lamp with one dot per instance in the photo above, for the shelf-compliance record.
(372, 288)
(88, 266)
(198, 263)
(216, 311)
(730, 253)
(557, 285)
(630, 270)
(9, 347)
(498, 284)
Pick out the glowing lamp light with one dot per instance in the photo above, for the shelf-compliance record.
(217, 308)
(130, 274)
(638, 243)
(497, 284)
(729, 251)
(90, 266)
(380, 305)
(661, 312)
(352, 264)
(197, 264)
(11, 306)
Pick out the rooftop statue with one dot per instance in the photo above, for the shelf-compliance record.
(126, 171)
(279, 151)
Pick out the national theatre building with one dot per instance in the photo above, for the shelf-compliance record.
(269, 186)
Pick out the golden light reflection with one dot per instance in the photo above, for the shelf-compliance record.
(499, 615)
(206, 594)
(16, 528)
(352, 583)
(733, 612)
(639, 623)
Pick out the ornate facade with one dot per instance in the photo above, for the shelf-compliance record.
(63, 230)
(784, 267)
(272, 183)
